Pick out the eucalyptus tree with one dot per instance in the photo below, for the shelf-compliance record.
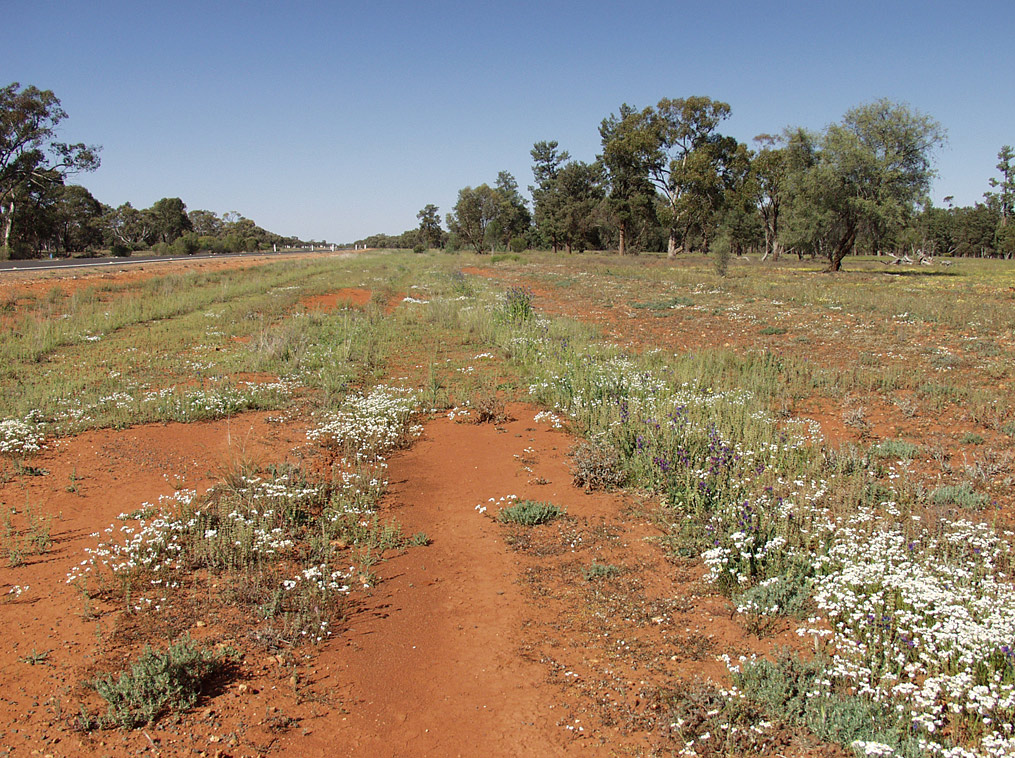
(170, 219)
(770, 168)
(205, 223)
(30, 158)
(512, 219)
(630, 143)
(430, 226)
(77, 218)
(1002, 199)
(473, 214)
(692, 165)
(871, 171)
(580, 188)
(1003, 196)
(126, 225)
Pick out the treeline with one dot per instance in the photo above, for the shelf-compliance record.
(40, 213)
(66, 219)
(668, 179)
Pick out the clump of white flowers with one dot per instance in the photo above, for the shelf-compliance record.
(20, 437)
(367, 426)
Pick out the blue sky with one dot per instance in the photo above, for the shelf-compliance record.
(338, 120)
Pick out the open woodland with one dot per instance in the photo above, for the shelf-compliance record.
(397, 504)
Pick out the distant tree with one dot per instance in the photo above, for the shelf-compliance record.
(1002, 199)
(430, 226)
(77, 219)
(129, 226)
(739, 221)
(580, 189)
(973, 230)
(473, 214)
(170, 218)
(512, 218)
(690, 164)
(205, 223)
(870, 172)
(30, 158)
(804, 226)
(770, 169)
(630, 142)
(1003, 196)
(546, 197)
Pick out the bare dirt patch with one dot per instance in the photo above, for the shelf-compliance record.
(345, 297)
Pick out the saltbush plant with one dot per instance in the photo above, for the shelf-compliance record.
(596, 466)
(530, 513)
(159, 683)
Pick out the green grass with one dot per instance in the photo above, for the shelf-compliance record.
(695, 427)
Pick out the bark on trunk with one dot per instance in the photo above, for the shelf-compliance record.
(622, 246)
(5, 251)
(845, 246)
(671, 246)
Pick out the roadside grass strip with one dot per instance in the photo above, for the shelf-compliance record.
(913, 616)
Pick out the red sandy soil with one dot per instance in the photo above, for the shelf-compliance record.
(347, 296)
(467, 645)
(488, 641)
(89, 480)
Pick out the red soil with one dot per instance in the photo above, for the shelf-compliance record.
(490, 640)
(348, 296)
(467, 644)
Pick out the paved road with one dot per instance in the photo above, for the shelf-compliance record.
(47, 264)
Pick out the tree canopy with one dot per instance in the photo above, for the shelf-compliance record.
(32, 162)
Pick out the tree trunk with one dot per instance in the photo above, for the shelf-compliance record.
(671, 246)
(845, 246)
(5, 250)
(622, 247)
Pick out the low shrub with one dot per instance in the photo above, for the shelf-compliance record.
(596, 466)
(159, 683)
(896, 449)
(517, 305)
(600, 571)
(962, 495)
(529, 513)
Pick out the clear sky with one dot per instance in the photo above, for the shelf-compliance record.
(338, 120)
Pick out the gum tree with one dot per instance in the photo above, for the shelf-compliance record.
(871, 171)
(473, 214)
(770, 166)
(31, 160)
(691, 164)
(430, 226)
(630, 141)
(1002, 200)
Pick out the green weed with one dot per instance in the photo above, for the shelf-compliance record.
(529, 513)
(159, 683)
